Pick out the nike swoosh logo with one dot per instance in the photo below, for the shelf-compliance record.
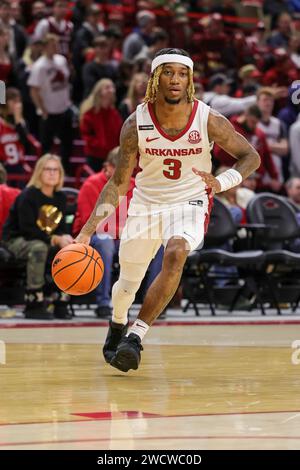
(150, 140)
(189, 235)
(141, 326)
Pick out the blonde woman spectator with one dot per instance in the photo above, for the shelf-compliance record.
(135, 95)
(100, 123)
(35, 225)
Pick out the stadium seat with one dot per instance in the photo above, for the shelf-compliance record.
(207, 278)
(282, 266)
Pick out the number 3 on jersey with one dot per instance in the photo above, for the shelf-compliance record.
(174, 169)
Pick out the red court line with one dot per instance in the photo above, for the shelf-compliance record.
(148, 417)
(150, 438)
(160, 323)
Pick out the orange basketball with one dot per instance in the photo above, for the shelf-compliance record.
(77, 269)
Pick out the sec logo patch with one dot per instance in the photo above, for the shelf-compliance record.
(194, 137)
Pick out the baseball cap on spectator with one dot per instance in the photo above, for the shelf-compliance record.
(219, 79)
(144, 17)
(249, 71)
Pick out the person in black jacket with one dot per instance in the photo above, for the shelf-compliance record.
(35, 224)
(100, 67)
(83, 41)
(17, 34)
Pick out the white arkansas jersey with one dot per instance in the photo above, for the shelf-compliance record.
(166, 177)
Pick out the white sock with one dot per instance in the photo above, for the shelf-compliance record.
(139, 328)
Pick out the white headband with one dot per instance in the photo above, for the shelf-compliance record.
(166, 58)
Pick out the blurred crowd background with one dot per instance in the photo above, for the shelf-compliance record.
(74, 71)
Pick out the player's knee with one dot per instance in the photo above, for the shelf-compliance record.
(175, 256)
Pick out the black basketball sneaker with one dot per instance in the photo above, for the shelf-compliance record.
(114, 335)
(128, 354)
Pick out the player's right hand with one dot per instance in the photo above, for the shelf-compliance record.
(82, 238)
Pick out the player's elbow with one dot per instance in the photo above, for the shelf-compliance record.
(256, 161)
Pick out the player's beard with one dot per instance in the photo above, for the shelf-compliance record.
(170, 101)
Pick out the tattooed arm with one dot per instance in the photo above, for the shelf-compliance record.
(118, 184)
(222, 132)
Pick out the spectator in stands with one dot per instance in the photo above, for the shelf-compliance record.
(135, 95)
(257, 41)
(23, 68)
(274, 130)
(251, 182)
(159, 40)
(50, 93)
(135, 41)
(246, 124)
(294, 138)
(281, 37)
(274, 8)
(249, 76)
(17, 35)
(38, 12)
(6, 65)
(7, 197)
(293, 191)
(106, 240)
(114, 37)
(218, 97)
(16, 11)
(236, 199)
(79, 12)
(289, 113)
(100, 67)
(83, 42)
(15, 140)
(35, 224)
(125, 73)
(213, 42)
(283, 72)
(100, 123)
(294, 50)
(58, 25)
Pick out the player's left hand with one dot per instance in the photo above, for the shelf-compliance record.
(209, 180)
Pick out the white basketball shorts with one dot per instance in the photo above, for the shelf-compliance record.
(143, 235)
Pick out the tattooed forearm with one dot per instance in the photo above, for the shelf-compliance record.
(105, 206)
(221, 131)
(117, 186)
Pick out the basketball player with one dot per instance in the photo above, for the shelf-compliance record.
(173, 133)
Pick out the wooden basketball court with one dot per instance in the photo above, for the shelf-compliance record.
(199, 386)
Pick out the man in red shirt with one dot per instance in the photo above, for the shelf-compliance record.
(106, 240)
(246, 124)
(7, 197)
